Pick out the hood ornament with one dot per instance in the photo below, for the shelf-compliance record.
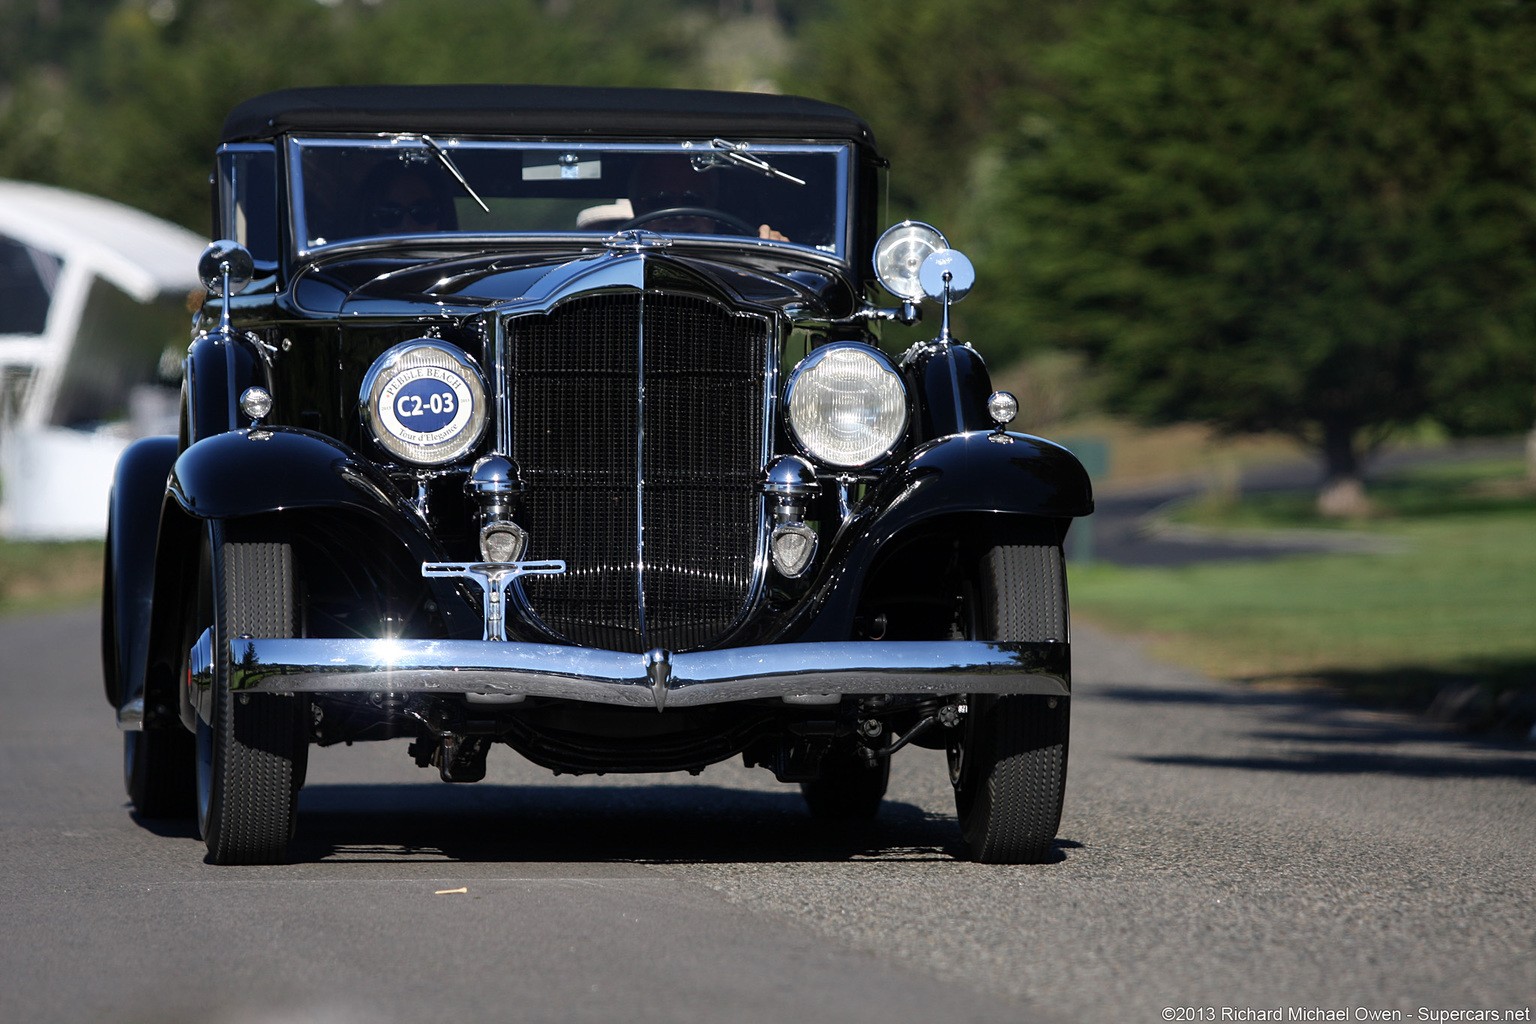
(636, 240)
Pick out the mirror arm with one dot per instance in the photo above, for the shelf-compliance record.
(909, 314)
(224, 298)
(947, 300)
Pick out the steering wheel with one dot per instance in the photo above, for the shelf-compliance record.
(731, 221)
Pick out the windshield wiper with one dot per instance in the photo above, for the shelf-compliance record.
(736, 153)
(447, 162)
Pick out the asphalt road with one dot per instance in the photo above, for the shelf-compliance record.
(1221, 848)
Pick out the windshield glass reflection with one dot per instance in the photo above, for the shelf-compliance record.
(349, 190)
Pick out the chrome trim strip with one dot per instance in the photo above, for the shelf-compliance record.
(778, 328)
(130, 717)
(500, 400)
(587, 244)
(200, 675)
(640, 460)
(612, 677)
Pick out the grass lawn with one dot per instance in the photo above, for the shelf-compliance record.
(43, 576)
(1456, 603)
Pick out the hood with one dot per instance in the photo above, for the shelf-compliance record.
(399, 283)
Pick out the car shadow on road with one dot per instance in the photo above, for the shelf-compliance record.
(635, 824)
(626, 823)
(1367, 763)
(165, 828)
(1316, 732)
(1235, 696)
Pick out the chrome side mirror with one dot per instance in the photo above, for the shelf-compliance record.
(947, 276)
(913, 261)
(225, 268)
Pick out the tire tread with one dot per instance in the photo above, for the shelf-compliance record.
(1011, 792)
(258, 755)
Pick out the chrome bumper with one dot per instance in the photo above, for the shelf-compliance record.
(808, 673)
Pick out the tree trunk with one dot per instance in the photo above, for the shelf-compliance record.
(1530, 459)
(1342, 495)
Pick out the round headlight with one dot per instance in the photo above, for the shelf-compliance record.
(899, 257)
(424, 401)
(846, 405)
(256, 402)
(1002, 407)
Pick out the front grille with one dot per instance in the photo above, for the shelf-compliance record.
(637, 420)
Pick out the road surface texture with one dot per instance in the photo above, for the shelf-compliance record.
(1221, 848)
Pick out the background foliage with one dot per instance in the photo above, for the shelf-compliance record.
(1314, 217)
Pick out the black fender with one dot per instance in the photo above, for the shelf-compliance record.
(1023, 484)
(243, 475)
(272, 469)
(219, 367)
(133, 524)
(983, 471)
(955, 385)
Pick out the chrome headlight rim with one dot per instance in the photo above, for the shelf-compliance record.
(899, 254)
(411, 362)
(871, 455)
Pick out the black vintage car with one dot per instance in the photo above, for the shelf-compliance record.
(557, 418)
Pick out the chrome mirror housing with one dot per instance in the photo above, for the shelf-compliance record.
(225, 268)
(946, 275)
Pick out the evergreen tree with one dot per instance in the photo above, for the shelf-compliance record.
(1315, 216)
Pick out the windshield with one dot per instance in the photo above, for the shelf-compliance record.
(348, 189)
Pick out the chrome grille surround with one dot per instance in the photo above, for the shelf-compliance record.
(640, 420)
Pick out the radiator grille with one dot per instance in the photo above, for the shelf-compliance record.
(582, 382)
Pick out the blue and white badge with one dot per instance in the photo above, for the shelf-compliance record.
(428, 405)
(425, 405)
(424, 401)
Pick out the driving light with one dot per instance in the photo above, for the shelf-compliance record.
(255, 403)
(846, 405)
(1002, 407)
(424, 401)
(899, 257)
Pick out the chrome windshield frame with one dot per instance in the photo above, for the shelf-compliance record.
(225, 194)
(304, 251)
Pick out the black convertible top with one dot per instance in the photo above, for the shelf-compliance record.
(542, 110)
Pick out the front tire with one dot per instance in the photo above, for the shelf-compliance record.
(251, 755)
(1009, 762)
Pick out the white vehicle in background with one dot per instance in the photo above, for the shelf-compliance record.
(92, 317)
